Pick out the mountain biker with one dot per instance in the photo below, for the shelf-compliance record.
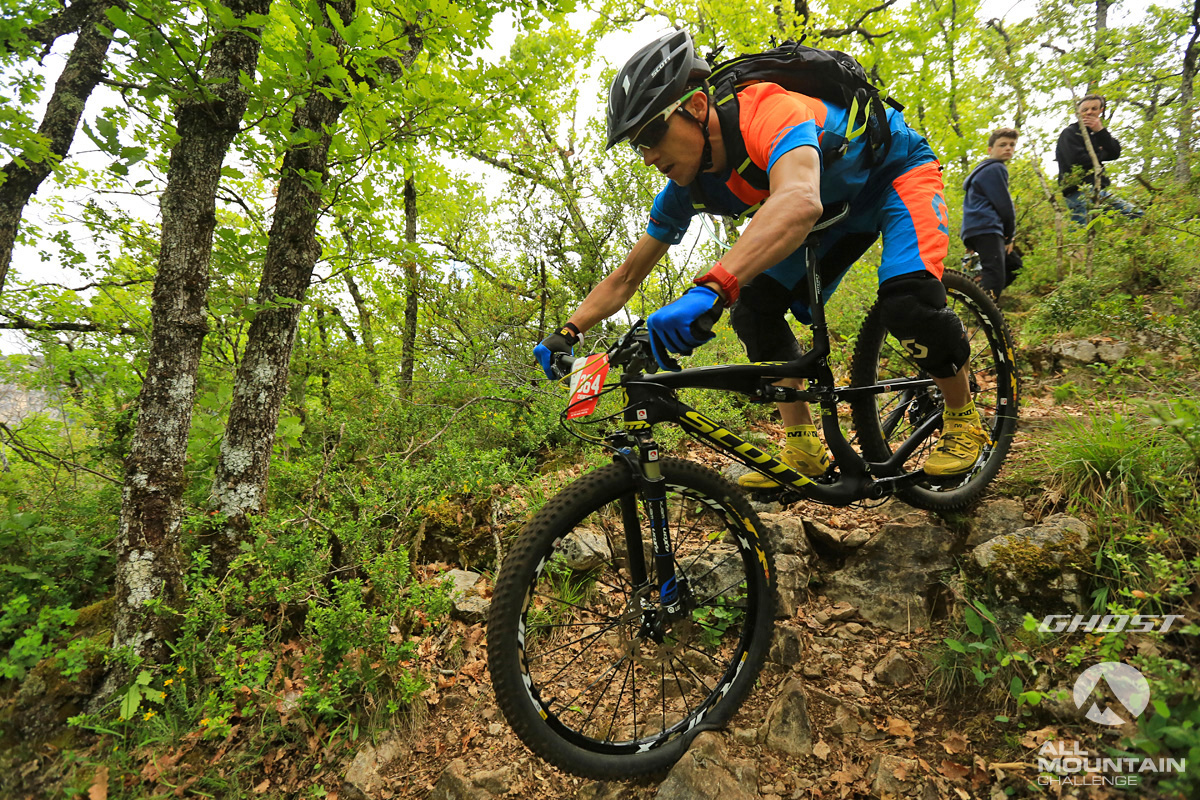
(659, 102)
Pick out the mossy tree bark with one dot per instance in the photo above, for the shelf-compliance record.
(149, 563)
(240, 483)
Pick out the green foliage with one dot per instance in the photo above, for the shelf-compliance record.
(1003, 666)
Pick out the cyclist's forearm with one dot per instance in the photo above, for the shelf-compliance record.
(612, 293)
(779, 228)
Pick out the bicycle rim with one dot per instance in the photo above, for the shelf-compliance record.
(601, 667)
(889, 419)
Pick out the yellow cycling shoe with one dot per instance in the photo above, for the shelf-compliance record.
(957, 451)
(810, 465)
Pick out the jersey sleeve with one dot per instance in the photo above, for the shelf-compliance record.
(671, 214)
(780, 123)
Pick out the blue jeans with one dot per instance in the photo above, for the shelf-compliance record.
(1078, 204)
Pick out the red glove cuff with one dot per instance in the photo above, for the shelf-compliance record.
(720, 276)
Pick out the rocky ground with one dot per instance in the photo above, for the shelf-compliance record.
(853, 702)
(849, 705)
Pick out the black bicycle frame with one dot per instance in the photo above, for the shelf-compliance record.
(651, 400)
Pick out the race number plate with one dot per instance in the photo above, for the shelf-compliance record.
(586, 384)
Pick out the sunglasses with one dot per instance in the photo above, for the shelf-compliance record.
(655, 128)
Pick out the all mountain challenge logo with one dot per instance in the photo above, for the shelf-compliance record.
(1065, 762)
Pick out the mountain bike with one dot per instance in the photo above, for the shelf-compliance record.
(636, 608)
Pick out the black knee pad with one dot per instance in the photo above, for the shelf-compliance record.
(914, 311)
(758, 320)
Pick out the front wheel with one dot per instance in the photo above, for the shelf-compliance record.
(885, 420)
(590, 670)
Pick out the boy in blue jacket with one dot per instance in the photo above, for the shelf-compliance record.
(989, 219)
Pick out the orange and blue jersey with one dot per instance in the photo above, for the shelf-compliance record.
(899, 195)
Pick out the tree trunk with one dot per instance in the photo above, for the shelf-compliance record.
(149, 564)
(409, 339)
(81, 74)
(1183, 145)
(955, 119)
(364, 322)
(240, 484)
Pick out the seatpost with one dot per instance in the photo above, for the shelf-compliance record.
(820, 345)
(848, 460)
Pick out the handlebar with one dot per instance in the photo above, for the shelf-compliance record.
(632, 352)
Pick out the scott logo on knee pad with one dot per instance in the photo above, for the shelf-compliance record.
(918, 350)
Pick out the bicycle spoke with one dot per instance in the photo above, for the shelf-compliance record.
(718, 594)
(568, 706)
(591, 636)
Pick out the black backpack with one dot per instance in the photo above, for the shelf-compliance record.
(824, 74)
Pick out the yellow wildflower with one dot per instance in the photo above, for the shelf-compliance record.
(179, 671)
(168, 681)
(204, 722)
(146, 718)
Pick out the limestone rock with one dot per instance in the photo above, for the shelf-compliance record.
(1112, 352)
(996, 518)
(893, 578)
(468, 605)
(463, 582)
(826, 538)
(893, 670)
(788, 727)
(786, 534)
(363, 780)
(706, 772)
(583, 550)
(718, 572)
(456, 784)
(1075, 352)
(1057, 535)
(791, 584)
(856, 538)
(892, 776)
(1037, 563)
(603, 790)
(787, 646)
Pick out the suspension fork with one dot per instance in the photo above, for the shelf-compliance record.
(652, 486)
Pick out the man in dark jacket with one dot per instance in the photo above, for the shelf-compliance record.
(1076, 170)
(989, 219)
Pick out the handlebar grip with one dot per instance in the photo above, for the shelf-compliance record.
(561, 364)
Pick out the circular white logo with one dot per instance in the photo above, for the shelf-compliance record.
(1127, 684)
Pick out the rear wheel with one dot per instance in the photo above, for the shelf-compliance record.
(884, 421)
(588, 668)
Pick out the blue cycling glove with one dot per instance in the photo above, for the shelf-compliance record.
(683, 325)
(561, 341)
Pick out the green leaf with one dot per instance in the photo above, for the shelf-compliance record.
(1161, 708)
(133, 699)
(1016, 686)
(955, 645)
(974, 623)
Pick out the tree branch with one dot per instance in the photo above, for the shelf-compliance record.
(19, 322)
(23, 449)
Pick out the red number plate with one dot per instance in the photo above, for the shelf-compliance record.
(586, 384)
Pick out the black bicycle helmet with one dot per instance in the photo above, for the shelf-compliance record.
(655, 77)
